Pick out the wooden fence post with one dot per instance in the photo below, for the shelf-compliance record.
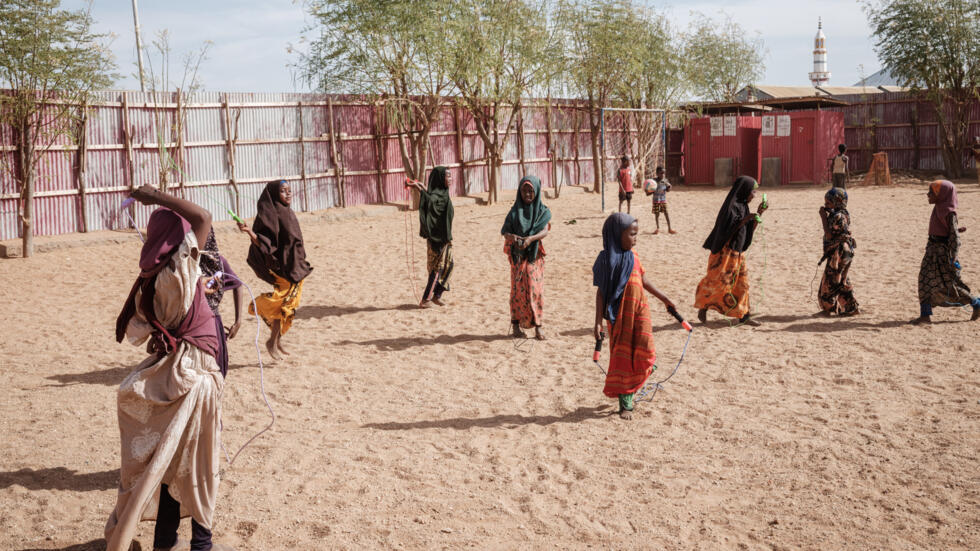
(302, 160)
(575, 124)
(520, 141)
(230, 140)
(179, 129)
(338, 170)
(379, 155)
(82, 150)
(128, 138)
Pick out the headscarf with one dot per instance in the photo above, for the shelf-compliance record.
(165, 231)
(436, 209)
(280, 248)
(733, 210)
(946, 203)
(612, 268)
(838, 198)
(526, 219)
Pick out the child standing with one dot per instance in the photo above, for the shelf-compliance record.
(836, 292)
(619, 298)
(660, 200)
(625, 184)
(940, 283)
(526, 225)
(840, 171)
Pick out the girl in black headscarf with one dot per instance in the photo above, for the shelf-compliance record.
(725, 288)
(436, 226)
(277, 256)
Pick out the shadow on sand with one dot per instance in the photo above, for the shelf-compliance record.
(498, 421)
(60, 478)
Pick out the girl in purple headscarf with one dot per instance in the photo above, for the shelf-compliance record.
(940, 283)
(169, 406)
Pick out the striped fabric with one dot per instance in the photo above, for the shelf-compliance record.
(631, 339)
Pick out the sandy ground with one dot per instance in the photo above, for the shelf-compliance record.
(403, 428)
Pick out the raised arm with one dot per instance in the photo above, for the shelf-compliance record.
(197, 216)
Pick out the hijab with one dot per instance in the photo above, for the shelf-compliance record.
(527, 219)
(280, 241)
(837, 198)
(733, 210)
(436, 209)
(165, 231)
(946, 203)
(612, 268)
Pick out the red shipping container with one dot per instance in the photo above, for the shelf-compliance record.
(720, 147)
(796, 146)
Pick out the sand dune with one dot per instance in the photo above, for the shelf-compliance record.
(403, 428)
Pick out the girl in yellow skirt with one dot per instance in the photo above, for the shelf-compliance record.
(278, 257)
(725, 288)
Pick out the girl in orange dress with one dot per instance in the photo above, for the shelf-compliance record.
(619, 299)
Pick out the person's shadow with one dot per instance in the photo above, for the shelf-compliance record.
(94, 545)
(496, 421)
(404, 343)
(108, 377)
(60, 478)
(321, 311)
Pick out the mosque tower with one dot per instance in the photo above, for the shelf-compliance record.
(820, 75)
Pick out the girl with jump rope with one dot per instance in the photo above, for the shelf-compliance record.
(436, 227)
(620, 299)
(725, 288)
(169, 406)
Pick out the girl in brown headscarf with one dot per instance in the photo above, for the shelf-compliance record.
(940, 283)
(277, 256)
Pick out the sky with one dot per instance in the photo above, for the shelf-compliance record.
(251, 41)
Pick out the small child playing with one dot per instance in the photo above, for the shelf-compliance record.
(659, 192)
(840, 172)
(625, 184)
(619, 298)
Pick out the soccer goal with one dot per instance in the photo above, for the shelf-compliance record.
(639, 134)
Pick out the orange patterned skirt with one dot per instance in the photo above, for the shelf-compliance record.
(527, 289)
(726, 287)
(631, 340)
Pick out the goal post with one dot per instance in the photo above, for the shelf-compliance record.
(640, 134)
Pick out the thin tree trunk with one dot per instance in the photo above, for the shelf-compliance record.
(25, 152)
(597, 156)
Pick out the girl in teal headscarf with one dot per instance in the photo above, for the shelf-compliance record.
(436, 226)
(524, 228)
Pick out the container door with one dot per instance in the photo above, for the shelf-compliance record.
(751, 152)
(802, 151)
(699, 155)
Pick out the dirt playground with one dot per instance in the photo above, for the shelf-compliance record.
(432, 429)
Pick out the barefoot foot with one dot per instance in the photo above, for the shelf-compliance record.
(656, 231)
(438, 301)
(425, 304)
(518, 333)
(921, 320)
(271, 346)
(703, 315)
(750, 321)
(538, 334)
(626, 414)
(671, 231)
(281, 349)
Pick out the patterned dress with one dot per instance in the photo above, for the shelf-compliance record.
(632, 353)
(836, 293)
(526, 289)
(725, 288)
(940, 283)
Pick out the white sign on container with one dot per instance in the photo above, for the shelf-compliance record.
(768, 125)
(717, 126)
(783, 125)
(731, 124)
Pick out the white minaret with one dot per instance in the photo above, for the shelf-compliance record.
(820, 74)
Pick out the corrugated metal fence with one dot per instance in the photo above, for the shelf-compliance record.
(230, 145)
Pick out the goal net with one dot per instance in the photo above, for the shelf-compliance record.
(638, 134)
